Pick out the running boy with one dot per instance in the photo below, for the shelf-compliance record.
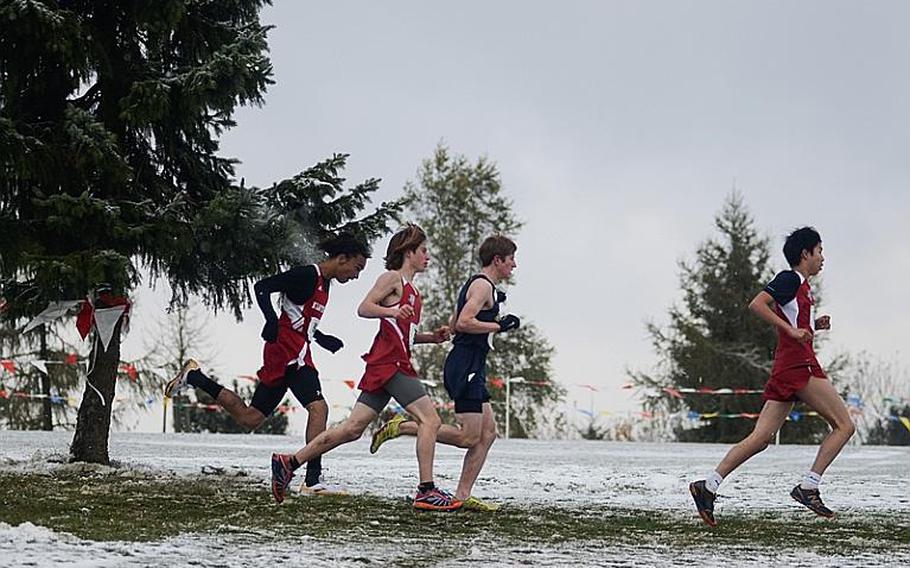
(476, 317)
(396, 303)
(287, 355)
(786, 303)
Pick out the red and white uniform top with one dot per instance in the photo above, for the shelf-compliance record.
(795, 304)
(391, 349)
(296, 327)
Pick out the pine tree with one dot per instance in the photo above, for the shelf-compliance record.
(110, 115)
(459, 204)
(714, 341)
(63, 375)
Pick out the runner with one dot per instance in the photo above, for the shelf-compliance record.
(396, 303)
(786, 303)
(287, 355)
(476, 317)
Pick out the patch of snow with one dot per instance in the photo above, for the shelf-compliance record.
(564, 473)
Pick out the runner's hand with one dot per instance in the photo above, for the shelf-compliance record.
(509, 322)
(442, 334)
(800, 335)
(270, 330)
(404, 312)
(823, 322)
(328, 342)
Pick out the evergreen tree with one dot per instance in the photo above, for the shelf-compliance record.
(62, 377)
(42, 374)
(459, 204)
(110, 115)
(714, 341)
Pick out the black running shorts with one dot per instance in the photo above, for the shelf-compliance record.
(302, 381)
(465, 375)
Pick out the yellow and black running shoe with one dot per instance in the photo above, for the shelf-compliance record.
(388, 431)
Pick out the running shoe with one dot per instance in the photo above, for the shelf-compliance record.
(704, 501)
(178, 383)
(813, 500)
(388, 431)
(436, 500)
(281, 475)
(474, 504)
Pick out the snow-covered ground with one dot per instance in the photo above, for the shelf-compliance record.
(564, 473)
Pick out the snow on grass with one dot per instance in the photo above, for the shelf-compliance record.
(598, 492)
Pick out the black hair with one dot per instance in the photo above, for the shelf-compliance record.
(804, 239)
(345, 243)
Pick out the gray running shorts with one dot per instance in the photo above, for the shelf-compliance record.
(402, 388)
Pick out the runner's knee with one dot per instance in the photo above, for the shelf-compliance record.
(469, 439)
(351, 432)
(318, 408)
(846, 426)
(431, 422)
(489, 436)
(757, 442)
(251, 419)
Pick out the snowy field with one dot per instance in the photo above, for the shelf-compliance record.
(566, 474)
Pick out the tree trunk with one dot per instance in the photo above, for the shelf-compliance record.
(93, 423)
(47, 418)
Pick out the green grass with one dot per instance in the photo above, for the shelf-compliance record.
(106, 506)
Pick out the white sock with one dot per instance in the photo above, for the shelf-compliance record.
(810, 480)
(712, 482)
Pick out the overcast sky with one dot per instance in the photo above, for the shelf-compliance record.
(619, 128)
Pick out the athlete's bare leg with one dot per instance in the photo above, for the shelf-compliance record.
(317, 419)
(427, 427)
(772, 417)
(476, 455)
(348, 431)
(465, 435)
(247, 416)
(822, 397)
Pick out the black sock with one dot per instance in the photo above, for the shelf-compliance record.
(426, 486)
(295, 465)
(198, 379)
(313, 471)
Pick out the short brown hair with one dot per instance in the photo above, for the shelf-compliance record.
(406, 239)
(493, 246)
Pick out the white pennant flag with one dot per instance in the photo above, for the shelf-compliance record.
(53, 311)
(105, 321)
(40, 365)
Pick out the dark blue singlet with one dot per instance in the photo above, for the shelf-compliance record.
(465, 369)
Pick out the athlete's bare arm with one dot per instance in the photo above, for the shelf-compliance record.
(761, 306)
(439, 335)
(382, 299)
(480, 296)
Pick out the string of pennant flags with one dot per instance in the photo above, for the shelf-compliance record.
(102, 319)
(794, 415)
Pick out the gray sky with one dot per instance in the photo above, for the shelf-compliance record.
(618, 128)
